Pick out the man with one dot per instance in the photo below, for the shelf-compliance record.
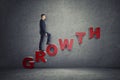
(43, 32)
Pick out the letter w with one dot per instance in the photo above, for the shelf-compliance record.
(65, 44)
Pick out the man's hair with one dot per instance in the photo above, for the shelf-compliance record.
(42, 15)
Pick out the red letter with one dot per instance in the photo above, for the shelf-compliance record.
(51, 53)
(40, 56)
(96, 32)
(66, 44)
(80, 35)
(28, 62)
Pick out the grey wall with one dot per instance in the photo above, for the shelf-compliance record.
(19, 30)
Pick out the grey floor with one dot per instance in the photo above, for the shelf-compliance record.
(60, 74)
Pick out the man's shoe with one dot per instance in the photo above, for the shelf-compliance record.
(41, 50)
(48, 43)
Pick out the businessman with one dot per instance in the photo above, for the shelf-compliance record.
(43, 32)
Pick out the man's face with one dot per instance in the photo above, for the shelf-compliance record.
(44, 17)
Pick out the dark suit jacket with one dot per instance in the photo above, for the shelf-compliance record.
(42, 27)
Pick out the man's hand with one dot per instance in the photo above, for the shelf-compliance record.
(45, 34)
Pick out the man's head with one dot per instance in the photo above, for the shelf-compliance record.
(43, 16)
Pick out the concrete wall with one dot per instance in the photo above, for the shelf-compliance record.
(19, 30)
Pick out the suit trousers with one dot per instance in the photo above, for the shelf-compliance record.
(42, 38)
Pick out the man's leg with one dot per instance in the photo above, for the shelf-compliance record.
(48, 38)
(41, 41)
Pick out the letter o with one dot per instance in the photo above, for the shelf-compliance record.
(51, 53)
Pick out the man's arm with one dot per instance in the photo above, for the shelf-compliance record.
(42, 25)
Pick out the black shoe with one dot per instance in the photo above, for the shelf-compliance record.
(48, 43)
(41, 50)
